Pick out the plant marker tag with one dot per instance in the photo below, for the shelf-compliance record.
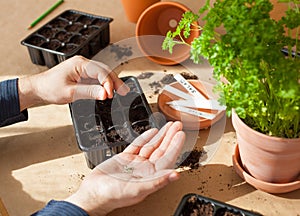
(194, 112)
(189, 87)
(178, 93)
(203, 104)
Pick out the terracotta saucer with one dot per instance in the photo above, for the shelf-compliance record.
(190, 122)
(274, 188)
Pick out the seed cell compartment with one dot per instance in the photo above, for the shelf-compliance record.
(196, 205)
(70, 33)
(105, 128)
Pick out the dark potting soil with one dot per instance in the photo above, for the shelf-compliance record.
(74, 28)
(52, 45)
(195, 207)
(189, 75)
(59, 23)
(77, 39)
(70, 16)
(36, 40)
(88, 31)
(191, 159)
(63, 36)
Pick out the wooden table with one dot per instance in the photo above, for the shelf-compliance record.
(40, 159)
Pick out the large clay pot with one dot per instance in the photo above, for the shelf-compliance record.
(267, 158)
(134, 8)
(152, 27)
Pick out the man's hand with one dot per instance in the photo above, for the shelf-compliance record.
(75, 78)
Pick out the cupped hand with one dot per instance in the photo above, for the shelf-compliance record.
(144, 167)
(72, 79)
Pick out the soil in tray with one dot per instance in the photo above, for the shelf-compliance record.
(137, 113)
(140, 127)
(76, 27)
(77, 39)
(47, 32)
(63, 36)
(115, 135)
(70, 16)
(59, 23)
(120, 119)
(195, 207)
(98, 22)
(67, 48)
(88, 31)
(36, 40)
(227, 212)
(85, 20)
(52, 45)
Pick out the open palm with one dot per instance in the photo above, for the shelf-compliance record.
(144, 167)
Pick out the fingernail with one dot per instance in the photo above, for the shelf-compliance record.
(174, 176)
(123, 90)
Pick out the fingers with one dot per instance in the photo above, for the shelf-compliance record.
(148, 149)
(107, 78)
(159, 180)
(119, 85)
(166, 142)
(89, 91)
(140, 141)
(168, 159)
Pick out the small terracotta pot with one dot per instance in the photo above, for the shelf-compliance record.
(152, 27)
(134, 8)
(267, 158)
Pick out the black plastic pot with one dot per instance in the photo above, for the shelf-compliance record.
(105, 128)
(196, 205)
(70, 33)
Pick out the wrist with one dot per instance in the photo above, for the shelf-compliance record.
(90, 205)
(28, 93)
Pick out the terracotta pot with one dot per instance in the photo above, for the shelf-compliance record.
(267, 158)
(152, 27)
(134, 8)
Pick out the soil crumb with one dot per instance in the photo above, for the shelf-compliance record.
(145, 75)
(187, 75)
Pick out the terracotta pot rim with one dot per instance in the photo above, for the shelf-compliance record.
(167, 3)
(234, 115)
(173, 59)
(259, 184)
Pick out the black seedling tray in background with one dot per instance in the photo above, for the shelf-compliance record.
(205, 206)
(105, 128)
(70, 33)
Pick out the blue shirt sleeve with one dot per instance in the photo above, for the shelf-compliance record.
(60, 208)
(9, 103)
(10, 114)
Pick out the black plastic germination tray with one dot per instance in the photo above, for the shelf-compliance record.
(104, 128)
(70, 33)
(196, 205)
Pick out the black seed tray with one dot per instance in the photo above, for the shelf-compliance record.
(104, 128)
(70, 33)
(196, 205)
